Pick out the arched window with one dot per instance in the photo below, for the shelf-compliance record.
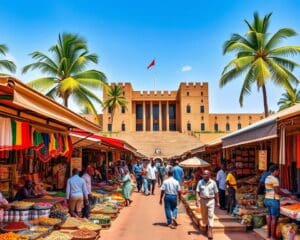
(239, 126)
(227, 127)
(201, 109)
(189, 126)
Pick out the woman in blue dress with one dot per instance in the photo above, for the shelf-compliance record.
(126, 188)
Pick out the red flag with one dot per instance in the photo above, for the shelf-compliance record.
(151, 64)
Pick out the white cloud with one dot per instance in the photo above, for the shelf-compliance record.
(186, 68)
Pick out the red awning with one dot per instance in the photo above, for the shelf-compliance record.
(104, 140)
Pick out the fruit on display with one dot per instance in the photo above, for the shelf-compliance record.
(39, 229)
(12, 236)
(57, 235)
(84, 234)
(23, 205)
(72, 222)
(46, 221)
(100, 219)
(15, 226)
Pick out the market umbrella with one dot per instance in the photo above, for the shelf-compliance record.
(194, 162)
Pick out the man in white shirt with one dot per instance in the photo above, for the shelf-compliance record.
(221, 182)
(207, 190)
(151, 176)
(170, 190)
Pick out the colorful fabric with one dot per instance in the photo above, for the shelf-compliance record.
(270, 184)
(5, 134)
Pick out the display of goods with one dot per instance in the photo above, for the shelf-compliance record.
(61, 208)
(97, 195)
(100, 219)
(29, 234)
(260, 200)
(57, 235)
(46, 221)
(12, 236)
(47, 197)
(104, 209)
(39, 229)
(82, 234)
(90, 226)
(289, 231)
(15, 226)
(42, 205)
(72, 222)
(23, 205)
(190, 197)
(58, 214)
(247, 219)
(258, 220)
(118, 198)
(293, 207)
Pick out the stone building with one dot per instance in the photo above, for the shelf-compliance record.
(184, 110)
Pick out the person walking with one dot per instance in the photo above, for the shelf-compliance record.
(126, 187)
(170, 192)
(221, 182)
(145, 180)
(151, 176)
(207, 196)
(76, 193)
(178, 173)
(87, 177)
(161, 173)
(231, 188)
(137, 171)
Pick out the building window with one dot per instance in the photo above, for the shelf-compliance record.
(202, 109)
(188, 109)
(189, 126)
(239, 126)
(172, 111)
(202, 127)
(123, 109)
(239, 117)
(250, 117)
(261, 117)
(216, 127)
(201, 100)
(109, 127)
(227, 127)
(188, 93)
(202, 118)
(201, 94)
(123, 93)
(227, 117)
(123, 127)
(216, 118)
(109, 109)
(139, 111)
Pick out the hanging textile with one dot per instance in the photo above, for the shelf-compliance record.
(5, 134)
(282, 146)
(37, 140)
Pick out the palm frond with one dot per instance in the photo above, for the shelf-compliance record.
(42, 66)
(286, 63)
(8, 65)
(285, 51)
(3, 49)
(43, 84)
(246, 88)
(261, 71)
(278, 36)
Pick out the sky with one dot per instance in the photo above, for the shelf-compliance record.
(184, 37)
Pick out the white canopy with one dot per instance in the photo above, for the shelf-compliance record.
(194, 162)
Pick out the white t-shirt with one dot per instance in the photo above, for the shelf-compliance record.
(170, 186)
(221, 178)
(88, 180)
(151, 172)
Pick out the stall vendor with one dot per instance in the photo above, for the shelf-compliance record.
(3, 205)
(27, 191)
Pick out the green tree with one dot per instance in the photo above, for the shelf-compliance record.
(288, 99)
(115, 98)
(66, 74)
(6, 64)
(260, 59)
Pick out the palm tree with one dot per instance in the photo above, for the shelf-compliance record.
(66, 74)
(260, 59)
(115, 98)
(6, 64)
(288, 100)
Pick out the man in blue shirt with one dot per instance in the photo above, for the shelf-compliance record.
(261, 185)
(178, 173)
(76, 193)
(137, 171)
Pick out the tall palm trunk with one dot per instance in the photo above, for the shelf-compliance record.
(66, 98)
(266, 108)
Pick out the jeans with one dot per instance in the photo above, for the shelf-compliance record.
(231, 200)
(222, 198)
(170, 207)
(151, 185)
(139, 182)
(273, 206)
(145, 185)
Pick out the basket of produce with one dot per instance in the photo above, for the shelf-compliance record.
(14, 227)
(72, 223)
(57, 213)
(22, 205)
(42, 206)
(90, 226)
(100, 219)
(46, 221)
(30, 234)
(40, 229)
(57, 235)
(84, 234)
(12, 236)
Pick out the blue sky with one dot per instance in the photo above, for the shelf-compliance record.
(127, 35)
